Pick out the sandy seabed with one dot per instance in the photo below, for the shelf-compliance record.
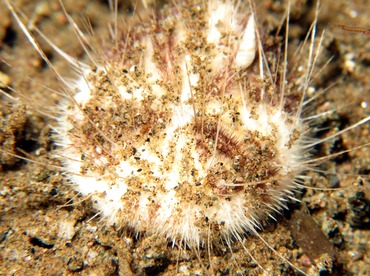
(46, 228)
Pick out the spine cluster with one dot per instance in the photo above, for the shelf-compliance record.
(177, 132)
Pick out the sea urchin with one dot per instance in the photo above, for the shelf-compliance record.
(184, 126)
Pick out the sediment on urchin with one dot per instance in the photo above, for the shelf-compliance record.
(178, 132)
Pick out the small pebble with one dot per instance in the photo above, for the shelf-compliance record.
(4, 80)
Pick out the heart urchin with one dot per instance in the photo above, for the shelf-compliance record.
(175, 132)
(179, 130)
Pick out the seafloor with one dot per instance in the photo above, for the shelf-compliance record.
(46, 228)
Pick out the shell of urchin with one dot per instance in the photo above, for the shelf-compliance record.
(177, 131)
(191, 124)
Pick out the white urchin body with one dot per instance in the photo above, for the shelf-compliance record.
(174, 135)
